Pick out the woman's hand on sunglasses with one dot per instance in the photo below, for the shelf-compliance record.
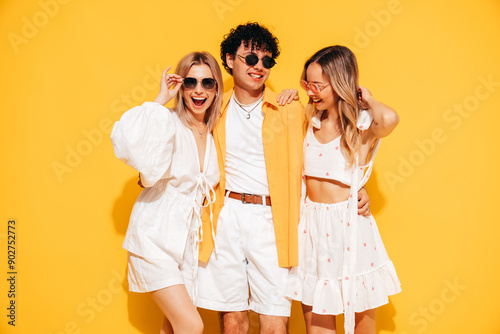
(287, 96)
(169, 86)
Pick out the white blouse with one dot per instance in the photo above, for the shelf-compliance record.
(153, 140)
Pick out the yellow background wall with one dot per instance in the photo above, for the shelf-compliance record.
(69, 68)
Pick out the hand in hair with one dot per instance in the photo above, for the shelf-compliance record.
(169, 86)
(385, 119)
(363, 96)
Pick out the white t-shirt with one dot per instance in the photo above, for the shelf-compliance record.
(245, 162)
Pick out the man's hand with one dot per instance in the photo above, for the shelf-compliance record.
(363, 202)
(287, 96)
(140, 182)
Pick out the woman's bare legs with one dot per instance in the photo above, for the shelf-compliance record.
(317, 323)
(177, 307)
(365, 322)
(166, 327)
(325, 324)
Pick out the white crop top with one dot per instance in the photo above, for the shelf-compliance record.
(327, 160)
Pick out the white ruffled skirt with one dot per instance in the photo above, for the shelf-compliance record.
(317, 280)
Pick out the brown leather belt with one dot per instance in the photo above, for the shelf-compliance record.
(248, 198)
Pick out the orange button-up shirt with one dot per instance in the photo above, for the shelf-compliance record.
(282, 134)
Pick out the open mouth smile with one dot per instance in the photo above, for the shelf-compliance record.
(198, 101)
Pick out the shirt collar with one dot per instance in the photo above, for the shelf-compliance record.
(225, 100)
(270, 97)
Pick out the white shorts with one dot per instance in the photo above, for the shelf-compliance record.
(147, 274)
(245, 275)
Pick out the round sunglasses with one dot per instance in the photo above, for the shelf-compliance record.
(206, 83)
(251, 59)
(314, 87)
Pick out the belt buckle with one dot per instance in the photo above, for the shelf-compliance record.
(243, 198)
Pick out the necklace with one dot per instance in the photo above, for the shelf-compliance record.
(249, 111)
(200, 132)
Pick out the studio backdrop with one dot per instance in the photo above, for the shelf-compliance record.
(70, 68)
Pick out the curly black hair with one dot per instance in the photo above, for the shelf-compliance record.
(252, 33)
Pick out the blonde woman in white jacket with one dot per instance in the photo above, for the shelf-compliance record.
(174, 151)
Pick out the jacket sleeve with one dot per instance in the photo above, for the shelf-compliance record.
(144, 139)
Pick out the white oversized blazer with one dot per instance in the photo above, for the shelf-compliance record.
(153, 140)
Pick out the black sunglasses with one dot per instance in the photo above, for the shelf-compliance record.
(251, 59)
(206, 83)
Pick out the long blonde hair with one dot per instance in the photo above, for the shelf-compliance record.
(183, 67)
(339, 65)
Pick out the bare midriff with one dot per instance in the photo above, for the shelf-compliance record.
(326, 191)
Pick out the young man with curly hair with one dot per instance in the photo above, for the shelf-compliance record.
(259, 143)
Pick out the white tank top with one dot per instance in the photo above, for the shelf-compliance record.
(327, 161)
(245, 162)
